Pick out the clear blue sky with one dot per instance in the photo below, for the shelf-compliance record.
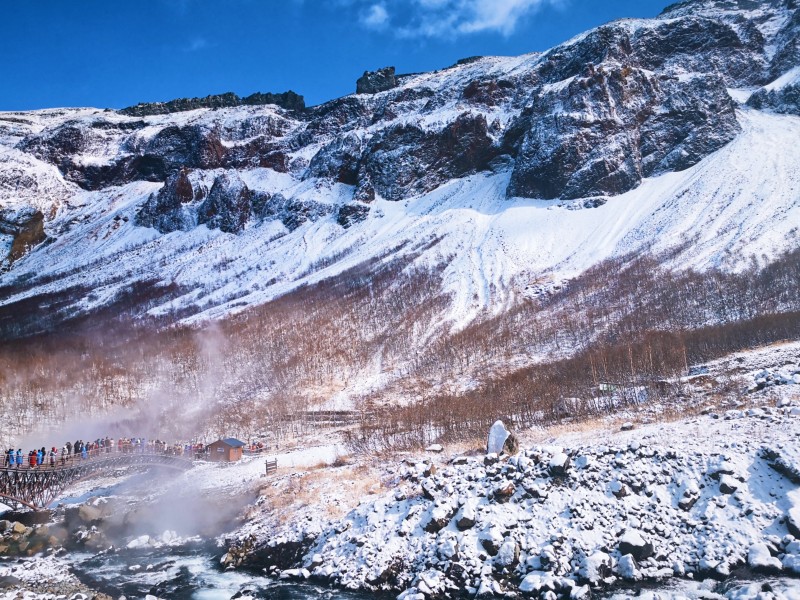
(114, 53)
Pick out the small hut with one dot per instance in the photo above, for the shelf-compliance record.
(227, 450)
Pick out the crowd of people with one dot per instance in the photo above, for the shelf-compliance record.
(81, 450)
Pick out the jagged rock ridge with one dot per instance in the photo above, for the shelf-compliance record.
(288, 100)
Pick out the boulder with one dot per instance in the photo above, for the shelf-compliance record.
(448, 547)
(508, 554)
(688, 500)
(439, 518)
(628, 569)
(618, 489)
(559, 464)
(429, 490)
(498, 434)
(596, 567)
(466, 518)
(793, 521)
(632, 542)
(491, 539)
(760, 559)
(536, 581)
(503, 492)
(727, 484)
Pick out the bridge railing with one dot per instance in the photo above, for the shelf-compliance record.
(70, 460)
(35, 487)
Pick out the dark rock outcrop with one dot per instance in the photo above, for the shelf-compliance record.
(292, 212)
(372, 82)
(228, 204)
(288, 100)
(351, 214)
(787, 43)
(192, 147)
(695, 118)
(785, 100)
(733, 51)
(405, 160)
(489, 92)
(338, 160)
(612, 126)
(167, 210)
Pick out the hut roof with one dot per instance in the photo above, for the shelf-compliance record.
(233, 442)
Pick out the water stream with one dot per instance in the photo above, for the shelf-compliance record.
(189, 573)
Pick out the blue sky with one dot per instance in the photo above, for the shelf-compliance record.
(115, 53)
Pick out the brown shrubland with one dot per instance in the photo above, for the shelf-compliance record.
(620, 335)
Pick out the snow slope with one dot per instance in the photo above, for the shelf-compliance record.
(739, 203)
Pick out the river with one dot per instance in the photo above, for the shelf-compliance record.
(189, 572)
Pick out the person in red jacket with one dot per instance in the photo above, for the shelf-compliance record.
(32, 459)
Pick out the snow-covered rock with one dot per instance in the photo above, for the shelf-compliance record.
(559, 463)
(638, 110)
(633, 542)
(498, 434)
(596, 568)
(627, 568)
(759, 558)
(557, 535)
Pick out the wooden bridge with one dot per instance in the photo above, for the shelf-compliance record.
(36, 487)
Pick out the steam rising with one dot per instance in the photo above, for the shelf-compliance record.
(170, 408)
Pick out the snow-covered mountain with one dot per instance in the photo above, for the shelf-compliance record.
(640, 135)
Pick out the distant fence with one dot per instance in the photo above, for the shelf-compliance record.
(272, 465)
(327, 417)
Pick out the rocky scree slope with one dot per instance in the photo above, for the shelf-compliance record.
(589, 119)
(599, 511)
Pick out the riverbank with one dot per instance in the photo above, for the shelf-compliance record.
(710, 497)
(43, 577)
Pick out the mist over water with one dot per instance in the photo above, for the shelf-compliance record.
(153, 502)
